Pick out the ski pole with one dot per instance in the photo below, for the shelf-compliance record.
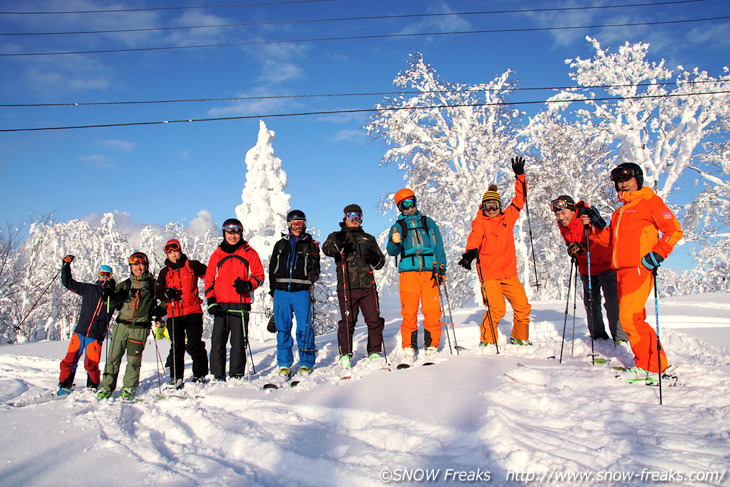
(20, 325)
(435, 277)
(158, 359)
(575, 307)
(451, 317)
(485, 299)
(246, 344)
(658, 342)
(532, 240)
(173, 343)
(567, 303)
(587, 233)
(345, 292)
(380, 320)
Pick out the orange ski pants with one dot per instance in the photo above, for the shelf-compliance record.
(418, 288)
(495, 291)
(634, 287)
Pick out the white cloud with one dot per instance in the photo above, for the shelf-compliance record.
(122, 145)
(97, 160)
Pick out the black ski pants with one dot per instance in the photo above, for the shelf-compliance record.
(356, 300)
(604, 282)
(231, 321)
(190, 327)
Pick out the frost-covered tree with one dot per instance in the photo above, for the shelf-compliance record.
(451, 141)
(263, 213)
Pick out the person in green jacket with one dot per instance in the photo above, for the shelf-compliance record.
(135, 299)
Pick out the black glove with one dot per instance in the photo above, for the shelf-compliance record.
(172, 293)
(596, 218)
(518, 165)
(575, 249)
(652, 260)
(107, 288)
(213, 307)
(467, 258)
(242, 287)
(271, 327)
(349, 248)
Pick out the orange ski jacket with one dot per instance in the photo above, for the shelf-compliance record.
(494, 237)
(635, 227)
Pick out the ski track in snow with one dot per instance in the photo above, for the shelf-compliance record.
(463, 413)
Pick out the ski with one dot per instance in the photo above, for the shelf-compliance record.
(274, 385)
(40, 398)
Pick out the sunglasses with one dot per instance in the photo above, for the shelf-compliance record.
(137, 259)
(621, 174)
(490, 205)
(105, 274)
(407, 204)
(173, 247)
(354, 216)
(557, 205)
(233, 228)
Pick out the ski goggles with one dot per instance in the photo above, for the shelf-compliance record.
(137, 259)
(233, 228)
(557, 205)
(407, 204)
(354, 216)
(621, 174)
(172, 247)
(297, 224)
(490, 205)
(105, 274)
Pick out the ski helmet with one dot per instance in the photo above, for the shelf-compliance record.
(106, 269)
(139, 258)
(232, 225)
(626, 171)
(403, 194)
(295, 215)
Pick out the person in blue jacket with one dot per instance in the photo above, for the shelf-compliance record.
(97, 309)
(293, 270)
(416, 240)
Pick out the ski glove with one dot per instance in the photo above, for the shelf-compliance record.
(575, 249)
(596, 218)
(242, 287)
(467, 258)
(213, 307)
(172, 293)
(271, 327)
(68, 259)
(652, 260)
(107, 288)
(518, 165)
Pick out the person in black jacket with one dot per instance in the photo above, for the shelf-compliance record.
(357, 253)
(97, 309)
(293, 270)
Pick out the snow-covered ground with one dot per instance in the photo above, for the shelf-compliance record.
(460, 421)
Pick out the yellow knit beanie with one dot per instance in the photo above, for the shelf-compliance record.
(492, 195)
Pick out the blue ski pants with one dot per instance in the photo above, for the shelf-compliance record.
(298, 305)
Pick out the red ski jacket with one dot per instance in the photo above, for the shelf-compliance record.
(224, 268)
(182, 275)
(600, 255)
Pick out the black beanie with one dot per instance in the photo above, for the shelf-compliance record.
(352, 208)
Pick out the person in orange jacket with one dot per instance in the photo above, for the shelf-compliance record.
(568, 214)
(638, 250)
(491, 242)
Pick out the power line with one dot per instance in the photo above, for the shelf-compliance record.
(363, 37)
(151, 9)
(343, 19)
(342, 95)
(360, 110)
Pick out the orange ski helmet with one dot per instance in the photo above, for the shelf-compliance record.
(403, 194)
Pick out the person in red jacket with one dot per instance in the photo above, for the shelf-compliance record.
(638, 250)
(602, 278)
(234, 271)
(177, 286)
(492, 243)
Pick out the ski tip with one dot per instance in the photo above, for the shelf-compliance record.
(270, 386)
(426, 364)
(403, 366)
(294, 383)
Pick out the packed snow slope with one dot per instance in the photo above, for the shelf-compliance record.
(462, 420)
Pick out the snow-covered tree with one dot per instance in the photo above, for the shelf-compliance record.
(263, 213)
(451, 141)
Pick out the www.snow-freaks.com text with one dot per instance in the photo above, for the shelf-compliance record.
(425, 475)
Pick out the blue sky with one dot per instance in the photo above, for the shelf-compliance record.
(168, 172)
